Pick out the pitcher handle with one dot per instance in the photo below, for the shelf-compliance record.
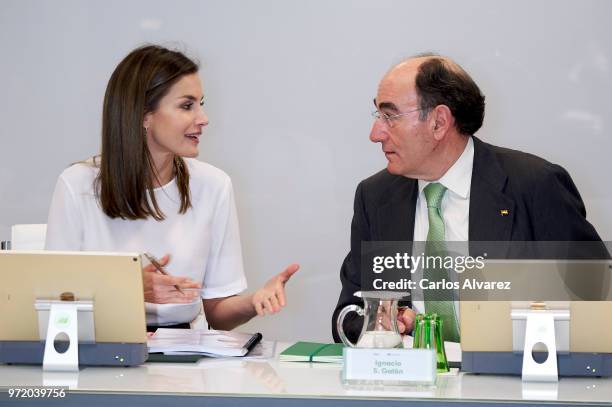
(340, 322)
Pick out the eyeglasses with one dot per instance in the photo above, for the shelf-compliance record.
(390, 118)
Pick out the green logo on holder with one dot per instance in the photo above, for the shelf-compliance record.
(62, 320)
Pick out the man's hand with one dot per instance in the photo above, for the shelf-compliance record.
(162, 289)
(405, 320)
(271, 298)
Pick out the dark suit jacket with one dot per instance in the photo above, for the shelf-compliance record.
(542, 201)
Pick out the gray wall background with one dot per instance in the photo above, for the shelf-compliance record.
(289, 87)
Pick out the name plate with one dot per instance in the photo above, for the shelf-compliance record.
(389, 366)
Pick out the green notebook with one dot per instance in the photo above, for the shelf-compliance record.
(313, 352)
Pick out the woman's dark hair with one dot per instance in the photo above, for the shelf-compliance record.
(441, 82)
(124, 186)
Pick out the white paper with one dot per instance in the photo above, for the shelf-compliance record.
(206, 342)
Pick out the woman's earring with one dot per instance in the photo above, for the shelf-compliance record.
(146, 131)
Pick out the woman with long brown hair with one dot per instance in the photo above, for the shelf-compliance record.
(147, 193)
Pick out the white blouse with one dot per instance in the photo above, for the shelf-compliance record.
(203, 243)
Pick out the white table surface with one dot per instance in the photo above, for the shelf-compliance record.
(271, 378)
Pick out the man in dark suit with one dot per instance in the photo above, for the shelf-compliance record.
(427, 110)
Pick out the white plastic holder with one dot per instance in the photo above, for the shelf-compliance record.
(534, 327)
(364, 366)
(60, 379)
(540, 390)
(63, 317)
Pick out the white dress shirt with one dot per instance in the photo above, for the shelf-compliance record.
(455, 207)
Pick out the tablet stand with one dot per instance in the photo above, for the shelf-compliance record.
(64, 321)
(538, 329)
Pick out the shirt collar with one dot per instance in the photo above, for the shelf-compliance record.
(458, 178)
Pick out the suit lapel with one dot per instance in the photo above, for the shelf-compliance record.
(396, 215)
(491, 210)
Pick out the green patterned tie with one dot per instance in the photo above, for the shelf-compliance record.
(441, 302)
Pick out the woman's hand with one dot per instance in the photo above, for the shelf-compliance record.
(271, 298)
(164, 289)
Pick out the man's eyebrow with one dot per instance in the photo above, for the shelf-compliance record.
(388, 106)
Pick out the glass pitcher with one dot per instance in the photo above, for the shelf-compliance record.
(379, 320)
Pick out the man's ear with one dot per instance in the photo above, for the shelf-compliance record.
(442, 121)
